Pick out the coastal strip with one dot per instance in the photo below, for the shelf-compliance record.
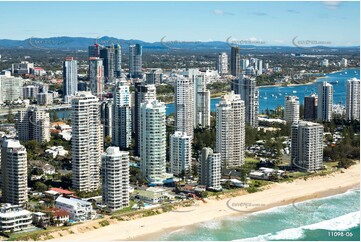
(277, 194)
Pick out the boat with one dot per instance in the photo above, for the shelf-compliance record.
(333, 82)
(294, 91)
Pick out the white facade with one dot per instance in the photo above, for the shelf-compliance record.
(353, 99)
(153, 140)
(210, 169)
(202, 102)
(70, 79)
(184, 105)
(307, 146)
(78, 209)
(122, 117)
(10, 88)
(246, 87)
(292, 109)
(33, 124)
(115, 178)
(230, 130)
(343, 62)
(222, 63)
(44, 99)
(96, 76)
(325, 102)
(180, 153)
(14, 173)
(14, 218)
(87, 142)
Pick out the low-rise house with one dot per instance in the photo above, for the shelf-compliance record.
(41, 219)
(149, 196)
(48, 169)
(58, 216)
(14, 218)
(63, 192)
(78, 209)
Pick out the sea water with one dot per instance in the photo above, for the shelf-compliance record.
(324, 219)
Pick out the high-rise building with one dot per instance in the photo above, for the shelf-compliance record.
(307, 146)
(246, 87)
(203, 109)
(180, 153)
(33, 124)
(87, 142)
(106, 117)
(117, 61)
(142, 94)
(222, 63)
(70, 78)
(10, 88)
(154, 76)
(230, 130)
(210, 169)
(96, 76)
(107, 53)
(153, 141)
(353, 99)
(310, 107)
(122, 116)
(94, 50)
(14, 172)
(135, 61)
(115, 178)
(235, 61)
(259, 67)
(325, 102)
(184, 105)
(292, 109)
(343, 62)
(202, 102)
(244, 64)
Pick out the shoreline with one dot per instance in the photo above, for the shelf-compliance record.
(274, 195)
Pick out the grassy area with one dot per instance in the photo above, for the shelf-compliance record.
(35, 235)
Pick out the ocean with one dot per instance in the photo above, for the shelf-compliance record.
(272, 97)
(333, 218)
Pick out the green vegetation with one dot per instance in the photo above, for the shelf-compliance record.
(104, 223)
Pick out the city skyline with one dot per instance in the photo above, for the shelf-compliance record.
(230, 19)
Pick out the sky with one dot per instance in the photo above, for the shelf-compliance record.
(270, 23)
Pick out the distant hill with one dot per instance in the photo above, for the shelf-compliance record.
(82, 43)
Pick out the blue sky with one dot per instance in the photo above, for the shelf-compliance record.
(270, 22)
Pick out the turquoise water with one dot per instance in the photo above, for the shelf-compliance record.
(312, 220)
(275, 95)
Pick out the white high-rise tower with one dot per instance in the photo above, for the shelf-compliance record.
(353, 99)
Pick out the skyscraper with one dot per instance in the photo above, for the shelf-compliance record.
(292, 109)
(235, 61)
(202, 102)
(70, 78)
(117, 61)
(230, 130)
(94, 50)
(310, 107)
(33, 124)
(14, 172)
(96, 76)
(106, 117)
(325, 102)
(210, 169)
(184, 105)
(135, 61)
(107, 53)
(87, 142)
(142, 94)
(180, 153)
(115, 178)
(122, 117)
(222, 63)
(153, 141)
(307, 146)
(244, 64)
(247, 89)
(353, 99)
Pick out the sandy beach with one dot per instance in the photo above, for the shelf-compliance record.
(278, 194)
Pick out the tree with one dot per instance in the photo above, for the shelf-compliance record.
(40, 187)
(251, 134)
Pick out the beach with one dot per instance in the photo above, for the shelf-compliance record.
(277, 194)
